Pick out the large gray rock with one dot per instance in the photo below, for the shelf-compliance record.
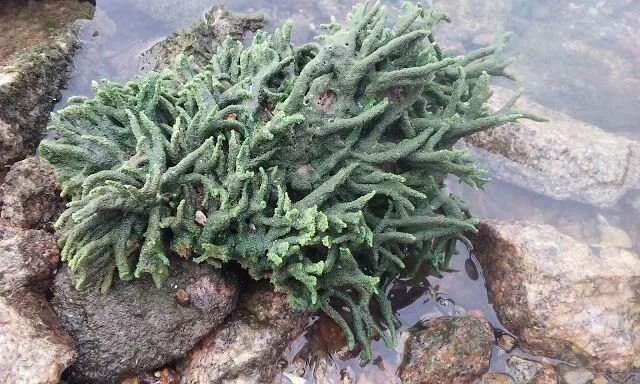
(562, 298)
(28, 259)
(137, 327)
(33, 347)
(35, 62)
(565, 159)
(448, 350)
(30, 195)
(247, 347)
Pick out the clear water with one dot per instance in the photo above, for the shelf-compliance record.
(581, 57)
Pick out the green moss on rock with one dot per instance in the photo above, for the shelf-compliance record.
(319, 167)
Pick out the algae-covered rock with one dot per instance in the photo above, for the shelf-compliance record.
(137, 327)
(29, 195)
(448, 350)
(38, 41)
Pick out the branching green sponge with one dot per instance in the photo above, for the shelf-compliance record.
(319, 167)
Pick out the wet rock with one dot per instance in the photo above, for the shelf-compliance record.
(507, 342)
(448, 350)
(574, 375)
(137, 327)
(531, 372)
(33, 347)
(564, 159)
(497, 378)
(28, 259)
(29, 195)
(247, 347)
(202, 38)
(562, 298)
(38, 42)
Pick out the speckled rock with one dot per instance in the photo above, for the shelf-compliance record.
(247, 347)
(28, 259)
(33, 347)
(448, 350)
(563, 298)
(497, 378)
(33, 71)
(29, 195)
(565, 159)
(574, 375)
(137, 327)
(531, 372)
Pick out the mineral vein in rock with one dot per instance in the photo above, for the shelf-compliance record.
(320, 167)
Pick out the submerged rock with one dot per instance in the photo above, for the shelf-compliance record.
(29, 195)
(28, 259)
(33, 347)
(564, 159)
(38, 42)
(531, 372)
(448, 350)
(202, 38)
(137, 327)
(497, 378)
(563, 298)
(247, 347)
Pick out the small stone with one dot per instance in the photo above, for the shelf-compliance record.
(497, 378)
(531, 372)
(183, 298)
(600, 379)
(574, 375)
(200, 218)
(507, 342)
(169, 376)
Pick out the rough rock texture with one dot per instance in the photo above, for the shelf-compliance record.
(28, 259)
(31, 79)
(497, 378)
(531, 372)
(29, 195)
(562, 159)
(247, 347)
(448, 350)
(202, 38)
(562, 298)
(33, 347)
(137, 327)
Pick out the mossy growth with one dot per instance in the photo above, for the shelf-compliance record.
(319, 167)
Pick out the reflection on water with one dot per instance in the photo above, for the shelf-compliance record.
(579, 57)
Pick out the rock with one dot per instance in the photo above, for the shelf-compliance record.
(564, 159)
(531, 372)
(600, 379)
(137, 327)
(28, 259)
(33, 347)
(247, 347)
(202, 38)
(448, 350)
(562, 298)
(30, 198)
(38, 42)
(507, 342)
(497, 378)
(610, 236)
(574, 375)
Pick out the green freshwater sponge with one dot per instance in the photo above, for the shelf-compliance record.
(319, 167)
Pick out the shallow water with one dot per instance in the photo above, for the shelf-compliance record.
(579, 57)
